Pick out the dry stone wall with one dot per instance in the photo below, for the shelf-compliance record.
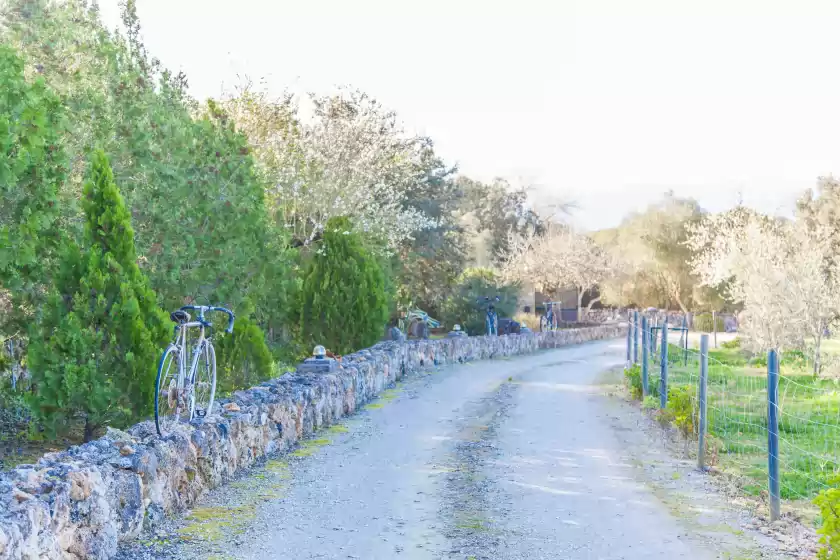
(82, 502)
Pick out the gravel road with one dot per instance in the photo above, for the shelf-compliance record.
(504, 459)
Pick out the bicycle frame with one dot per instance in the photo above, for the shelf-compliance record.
(180, 343)
(550, 317)
(491, 323)
(182, 390)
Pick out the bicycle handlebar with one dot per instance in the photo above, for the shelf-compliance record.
(206, 308)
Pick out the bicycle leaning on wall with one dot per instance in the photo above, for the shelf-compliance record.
(548, 321)
(183, 394)
(491, 320)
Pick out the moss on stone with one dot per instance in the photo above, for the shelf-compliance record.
(310, 447)
(214, 523)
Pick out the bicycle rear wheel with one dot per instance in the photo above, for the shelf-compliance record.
(205, 382)
(170, 403)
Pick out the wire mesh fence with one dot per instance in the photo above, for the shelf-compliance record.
(739, 437)
(809, 432)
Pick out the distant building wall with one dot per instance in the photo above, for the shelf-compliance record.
(567, 300)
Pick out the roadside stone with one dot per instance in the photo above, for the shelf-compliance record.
(79, 485)
(126, 450)
(231, 407)
(22, 496)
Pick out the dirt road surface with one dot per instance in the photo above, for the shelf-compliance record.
(522, 458)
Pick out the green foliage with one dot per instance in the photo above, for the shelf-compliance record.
(97, 347)
(203, 230)
(243, 358)
(789, 360)
(461, 307)
(681, 404)
(430, 263)
(656, 261)
(703, 323)
(343, 301)
(33, 167)
(733, 344)
(496, 210)
(650, 402)
(633, 378)
(829, 503)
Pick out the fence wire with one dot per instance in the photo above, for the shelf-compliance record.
(809, 433)
(737, 416)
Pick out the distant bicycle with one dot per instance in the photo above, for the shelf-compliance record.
(183, 393)
(491, 320)
(548, 322)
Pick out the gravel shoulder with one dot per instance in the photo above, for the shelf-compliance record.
(526, 457)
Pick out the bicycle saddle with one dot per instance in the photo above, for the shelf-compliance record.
(180, 317)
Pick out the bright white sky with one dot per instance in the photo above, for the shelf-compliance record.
(605, 102)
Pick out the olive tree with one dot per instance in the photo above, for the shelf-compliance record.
(559, 258)
(781, 271)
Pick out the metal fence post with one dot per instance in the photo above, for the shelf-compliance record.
(635, 337)
(645, 344)
(653, 333)
(663, 374)
(702, 424)
(629, 337)
(773, 433)
(685, 340)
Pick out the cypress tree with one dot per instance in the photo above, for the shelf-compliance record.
(344, 305)
(33, 168)
(102, 330)
(243, 358)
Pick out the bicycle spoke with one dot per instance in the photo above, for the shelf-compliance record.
(204, 388)
(170, 394)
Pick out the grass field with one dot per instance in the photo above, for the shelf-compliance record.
(809, 418)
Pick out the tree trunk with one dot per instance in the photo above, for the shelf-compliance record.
(580, 304)
(679, 301)
(592, 302)
(90, 429)
(817, 351)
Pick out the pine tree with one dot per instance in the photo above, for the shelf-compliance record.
(343, 301)
(98, 343)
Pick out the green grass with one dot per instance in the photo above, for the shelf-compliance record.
(809, 418)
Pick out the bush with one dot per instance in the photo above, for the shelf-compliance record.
(653, 385)
(343, 304)
(633, 377)
(681, 403)
(829, 503)
(528, 320)
(650, 403)
(97, 348)
(461, 307)
(243, 358)
(703, 323)
(733, 344)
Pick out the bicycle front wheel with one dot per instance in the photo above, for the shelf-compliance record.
(205, 382)
(170, 394)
